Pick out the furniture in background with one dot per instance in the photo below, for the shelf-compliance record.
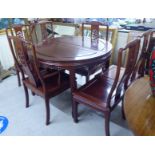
(46, 83)
(104, 92)
(95, 35)
(139, 108)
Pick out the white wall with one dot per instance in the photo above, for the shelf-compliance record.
(5, 53)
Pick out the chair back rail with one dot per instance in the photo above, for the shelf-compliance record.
(95, 25)
(119, 86)
(148, 42)
(21, 31)
(43, 30)
(27, 60)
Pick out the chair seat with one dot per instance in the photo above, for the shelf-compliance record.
(51, 83)
(95, 93)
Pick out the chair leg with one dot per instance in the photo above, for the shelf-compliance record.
(18, 78)
(123, 114)
(47, 105)
(75, 111)
(26, 96)
(107, 123)
(33, 93)
(87, 78)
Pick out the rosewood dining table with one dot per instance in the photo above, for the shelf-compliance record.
(72, 52)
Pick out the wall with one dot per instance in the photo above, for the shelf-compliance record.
(5, 53)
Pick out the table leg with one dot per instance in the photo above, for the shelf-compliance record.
(73, 85)
(107, 63)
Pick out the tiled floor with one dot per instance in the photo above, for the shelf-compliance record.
(31, 121)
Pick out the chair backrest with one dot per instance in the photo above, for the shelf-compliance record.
(22, 31)
(95, 31)
(121, 84)
(151, 47)
(27, 61)
(43, 30)
(147, 45)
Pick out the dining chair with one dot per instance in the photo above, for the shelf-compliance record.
(25, 31)
(44, 30)
(95, 34)
(103, 93)
(148, 42)
(22, 31)
(44, 83)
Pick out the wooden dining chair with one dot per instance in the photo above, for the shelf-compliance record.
(43, 30)
(103, 93)
(95, 34)
(148, 42)
(45, 83)
(22, 31)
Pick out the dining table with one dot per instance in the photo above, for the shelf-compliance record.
(139, 107)
(72, 52)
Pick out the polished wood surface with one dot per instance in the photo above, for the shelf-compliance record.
(72, 52)
(70, 49)
(139, 106)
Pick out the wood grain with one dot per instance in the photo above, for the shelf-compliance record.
(139, 106)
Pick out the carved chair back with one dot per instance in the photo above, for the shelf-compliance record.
(46, 29)
(95, 31)
(21, 31)
(119, 86)
(27, 62)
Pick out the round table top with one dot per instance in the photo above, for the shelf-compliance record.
(72, 49)
(139, 106)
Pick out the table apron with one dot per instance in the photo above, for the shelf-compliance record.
(73, 64)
